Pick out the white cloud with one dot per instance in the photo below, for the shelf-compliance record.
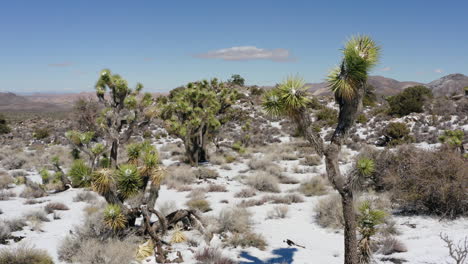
(386, 69)
(438, 71)
(247, 53)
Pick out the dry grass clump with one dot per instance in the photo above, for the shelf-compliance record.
(245, 193)
(234, 219)
(205, 173)
(288, 156)
(5, 180)
(97, 251)
(217, 160)
(24, 255)
(85, 196)
(265, 165)
(173, 149)
(211, 256)
(249, 239)
(390, 245)
(329, 212)
(201, 205)
(216, 188)
(6, 195)
(283, 179)
(37, 216)
(16, 224)
(179, 175)
(284, 199)
(197, 193)
(253, 202)
(264, 182)
(313, 160)
(51, 207)
(33, 190)
(313, 187)
(280, 211)
(226, 167)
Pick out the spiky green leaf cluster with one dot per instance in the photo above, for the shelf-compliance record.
(114, 218)
(453, 137)
(79, 138)
(360, 55)
(45, 175)
(368, 219)
(365, 166)
(287, 98)
(80, 174)
(128, 180)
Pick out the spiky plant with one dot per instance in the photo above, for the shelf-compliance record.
(80, 174)
(45, 176)
(114, 218)
(178, 236)
(453, 138)
(287, 99)
(128, 180)
(368, 220)
(133, 153)
(365, 166)
(103, 181)
(145, 250)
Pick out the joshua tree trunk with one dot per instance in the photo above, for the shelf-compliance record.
(113, 153)
(350, 240)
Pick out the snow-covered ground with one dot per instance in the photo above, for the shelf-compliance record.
(419, 234)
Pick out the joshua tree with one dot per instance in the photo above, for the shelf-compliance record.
(348, 82)
(4, 129)
(193, 113)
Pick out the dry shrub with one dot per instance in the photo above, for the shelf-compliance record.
(313, 187)
(16, 224)
(5, 180)
(97, 251)
(330, 212)
(167, 207)
(201, 205)
(284, 199)
(197, 193)
(211, 256)
(216, 188)
(205, 173)
(6, 195)
(264, 182)
(24, 255)
(217, 160)
(180, 175)
(280, 211)
(226, 167)
(51, 207)
(245, 193)
(288, 156)
(4, 232)
(313, 160)
(424, 182)
(33, 190)
(390, 245)
(265, 165)
(235, 219)
(85, 196)
(37, 216)
(283, 179)
(246, 240)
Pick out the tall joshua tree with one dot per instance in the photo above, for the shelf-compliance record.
(193, 113)
(348, 82)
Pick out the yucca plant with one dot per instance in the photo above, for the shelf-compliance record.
(80, 174)
(128, 180)
(178, 236)
(103, 181)
(45, 176)
(133, 153)
(145, 250)
(114, 218)
(365, 166)
(368, 220)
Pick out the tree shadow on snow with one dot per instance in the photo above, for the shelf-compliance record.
(285, 256)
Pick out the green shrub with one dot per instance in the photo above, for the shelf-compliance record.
(24, 255)
(361, 119)
(327, 115)
(41, 133)
(80, 174)
(411, 100)
(397, 133)
(237, 146)
(4, 129)
(453, 138)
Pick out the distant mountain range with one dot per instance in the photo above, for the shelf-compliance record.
(447, 85)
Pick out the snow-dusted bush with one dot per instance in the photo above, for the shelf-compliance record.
(4, 232)
(263, 181)
(51, 207)
(5, 180)
(205, 173)
(248, 239)
(201, 205)
(329, 212)
(312, 160)
(33, 191)
(280, 211)
(211, 256)
(6, 195)
(23, 254)
(85, 196)
(180, 175)
(390, 245)
(216, 188)
(235, 219)
(245, 193)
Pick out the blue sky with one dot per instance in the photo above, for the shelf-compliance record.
(62, 45)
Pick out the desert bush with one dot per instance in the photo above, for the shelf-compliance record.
(264, 182)
(410, 100)
(33, 191)
(201, 205)
(4, 128)
(397, 133)
(390, 245)
(280, 211)
(181, 174)
(24, 255)
(96, 251)
(235, 220)
(4, 232)
(14, 162)
(313, 187)
(211, 256)
(16, 224)
(427, 182)
(245, 193)
(246, 240)
(327, 115)
(313, 160)
(41, 133)
(217, 160)
(216, 188)
(329, 212)
(5, 180)
(6, 195)
(361, 119)
(85, 196)
(51, 207)
(205, 173)
(37, 215)
(284, 199)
